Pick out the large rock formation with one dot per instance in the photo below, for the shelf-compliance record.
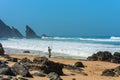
(7, 32)
(105, 56)
(16, 33)
(30, 33)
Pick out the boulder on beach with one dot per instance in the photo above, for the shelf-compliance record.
(79, 64)
(1, 50)
(116, 57)
(5, 69)
(26, 51)
(20, 69)
(105, 56)
(108, 72)
(111, 72)
(101, 56)
(26, 62)
(46, 66)
(117, 70)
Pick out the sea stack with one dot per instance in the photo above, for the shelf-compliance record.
(30, 33)
(16, 33)
(8, 32)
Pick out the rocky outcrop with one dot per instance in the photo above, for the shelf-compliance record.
(8, 32)
(1, 50)
(30, 33)
(116, 57)
(111, 72)
(105, 56)
(46, 66)
(16, 33)
(101, 56)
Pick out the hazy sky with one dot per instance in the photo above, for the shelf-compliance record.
(63, 17)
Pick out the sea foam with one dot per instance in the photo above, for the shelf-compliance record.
(78, 47)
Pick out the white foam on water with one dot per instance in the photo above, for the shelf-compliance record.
(61, 47)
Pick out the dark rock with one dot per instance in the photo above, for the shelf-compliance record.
(27, 62)
(93, 57)
(101, 56)
(73, 79)
(39, 74)
(116, 54)
(40, 60)
(112, 72)
(30, 33)
(13, 59)
(117, 70)
(20, 69)
(104, 56)
(5, 62)
(46, 66)
(108, 72)
(5, 69)
(116, 57)
(53, 76)
(21, 78)
(43, 36)
(6, 56)
(70, 67)
(79, 64)
(83, 73)
(26, 51)
(1, 50)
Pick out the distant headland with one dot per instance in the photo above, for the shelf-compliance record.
(11, 32)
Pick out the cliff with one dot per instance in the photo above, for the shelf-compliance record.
(30, 33)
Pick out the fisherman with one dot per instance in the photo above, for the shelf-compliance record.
(49, 51)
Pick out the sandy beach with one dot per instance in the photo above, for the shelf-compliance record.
(93, 68)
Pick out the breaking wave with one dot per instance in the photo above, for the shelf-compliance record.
(78, 47)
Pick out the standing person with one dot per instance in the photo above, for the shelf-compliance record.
(49, 51)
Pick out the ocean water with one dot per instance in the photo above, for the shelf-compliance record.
(74, 47)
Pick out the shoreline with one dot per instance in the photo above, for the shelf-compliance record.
(36, 52)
